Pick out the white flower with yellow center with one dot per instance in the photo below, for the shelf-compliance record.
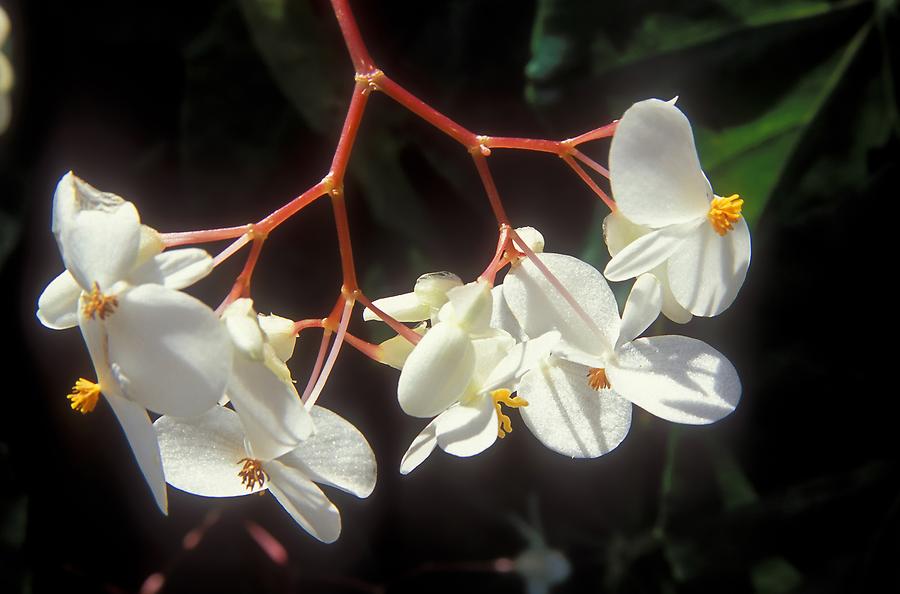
(260, 387)
(152, 347)
(579, 399)
(657, 182)
(210, 455)
(463, 375)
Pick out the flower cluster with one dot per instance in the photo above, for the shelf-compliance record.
(207, 401)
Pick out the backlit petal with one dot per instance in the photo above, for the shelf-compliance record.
(174, 355)
(654, 169)
(420, 448)
(175, 269)
(403, 308)
(58, 304)
(468, 429)
(707, 271)
(677, 378)
(650, 250)
(437, 371)
(642, 308)
(304, 501)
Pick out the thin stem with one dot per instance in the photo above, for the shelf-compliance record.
(203, 236)
(372, 351)
(317, 367)
(332, 356)
(344, 244)
(451, 128)
(301, 325)
(267, 224)
(401, 329)
(356, 47)
(590, 163)
(525, 144)
(348, 133)
(596, 134)
(231, 249)
(500, 258)
(590, 182)
(490, 187)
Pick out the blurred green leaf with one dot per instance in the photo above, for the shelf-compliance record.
(775, 576)
(750, 158)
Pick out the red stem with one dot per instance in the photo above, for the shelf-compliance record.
(362, 61)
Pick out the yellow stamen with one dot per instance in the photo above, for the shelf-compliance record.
(96, 303)
(252, 473)
(504, 424)
(84, 396)
(724, 212)
(597, 378)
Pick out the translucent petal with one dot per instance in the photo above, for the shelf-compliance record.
(540, 308)
(618, 232)
(654, 169)
(174, 355)
(677, 378)
(468, 429)
(502, 317)
(519, 360)
(420, 449)
(642, 308)
(304, 501)
(431, 288)
(139, 431)
(437, 371)
(98, 233)
(570, 417)
(670, 306)
(274, 418)
(395, 351)
(403, 308)
(649, 251)
(244, 330)
(58, 304)
(471, 306)
(201, 455)
(280, 334)
(336, 454)
(489, 351)
(708, 270)
(176, 269)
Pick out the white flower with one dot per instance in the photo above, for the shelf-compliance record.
(437, 379)
(7, 76)
(207, 456)
(423, 303)
(580, 398)
(657, 182)
(152, 347)
(618, 233)
(260, 387)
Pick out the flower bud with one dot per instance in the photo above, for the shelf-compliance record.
(431, 289)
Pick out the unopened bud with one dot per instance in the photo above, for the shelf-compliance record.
(431, 289)
(532, 238)
(280, 334)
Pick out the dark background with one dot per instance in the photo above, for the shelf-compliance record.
(211, 114)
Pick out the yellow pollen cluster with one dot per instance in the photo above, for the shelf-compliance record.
(724, 212)
(96, 303)
(252, 473)
(597, 378)
(84, 396)
(504, 424)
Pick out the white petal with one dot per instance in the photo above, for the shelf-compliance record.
(677, 378)
(471, 306)
(670, 306)
(540, 308)
(280, 334)
(468, 429)
(570, 417)
(654, 169)
(394, 351)
(431, 288)
(304, 501)
(336, 454)
(58, 304)
(437, 371)
(403, 308)
(151, 244)
(274, 418)
(618, 232)
(243, 328)
(489, 351)
(139, 431)
(650, 250)
(532, 238)
(98, 233)
(502, 317)
(708, 270)
(642, 308)
(173, 353)
(520, 360)
(176, 269)
(420, 449)
(201, 455)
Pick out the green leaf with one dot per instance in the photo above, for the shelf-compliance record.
(750, 158)
(775, 576)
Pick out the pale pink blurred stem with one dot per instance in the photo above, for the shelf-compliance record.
(332, 356)
(320, 358)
